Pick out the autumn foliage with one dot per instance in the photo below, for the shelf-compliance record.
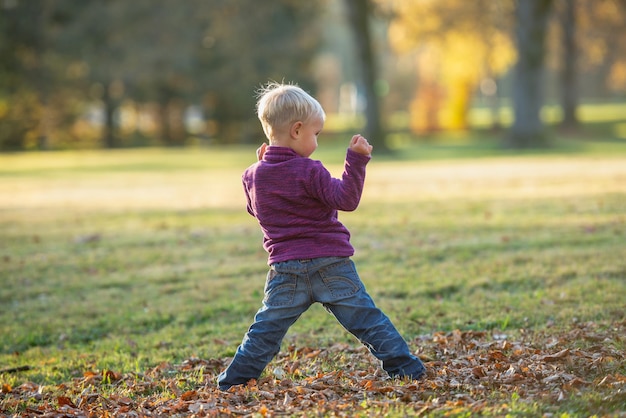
(468, 372)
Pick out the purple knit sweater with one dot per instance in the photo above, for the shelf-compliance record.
(295, 200)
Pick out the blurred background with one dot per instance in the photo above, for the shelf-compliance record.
(78, 74)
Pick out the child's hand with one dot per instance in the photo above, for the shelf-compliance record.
(360, 145)
(261, 151)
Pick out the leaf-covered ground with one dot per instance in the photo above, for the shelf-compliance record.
(472, 372)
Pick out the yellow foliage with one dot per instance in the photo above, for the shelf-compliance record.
(458, 43)
(455, 111)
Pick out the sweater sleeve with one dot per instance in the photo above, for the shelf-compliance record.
(247, 192)
(345, 193)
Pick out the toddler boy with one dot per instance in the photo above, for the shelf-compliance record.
(295, 200)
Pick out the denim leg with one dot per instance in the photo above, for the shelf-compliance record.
(341, 291)
(285, 300)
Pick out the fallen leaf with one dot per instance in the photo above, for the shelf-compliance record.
(189, 395)
(554, 357)
(65, 401)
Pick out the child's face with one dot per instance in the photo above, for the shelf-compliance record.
(306, 142)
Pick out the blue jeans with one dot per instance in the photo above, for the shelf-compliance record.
(291, 288)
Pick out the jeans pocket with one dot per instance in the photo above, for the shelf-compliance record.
(341, 279)
(280, 288)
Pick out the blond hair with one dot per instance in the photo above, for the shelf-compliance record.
(281, 105)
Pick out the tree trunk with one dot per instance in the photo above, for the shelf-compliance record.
(532, 18)
(42, 78)
(165, 130)
(569, 87)
(358, 17)
(494, 105)
(108, 134)
(176, 117)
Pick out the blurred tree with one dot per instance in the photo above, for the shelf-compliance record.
(569, 63)
(458, 44)
(37, 106)
(135, 51)
(244, 46)
(95, 39)
(167, 40)
(477, 35)
(358, 18)
(170, 53)
(23, 74)
(531, 27)
(601, 37)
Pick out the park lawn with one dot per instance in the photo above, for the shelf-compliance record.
(129, 277)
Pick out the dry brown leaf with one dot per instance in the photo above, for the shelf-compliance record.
(189, 395)
(558, 356)
(65, 401)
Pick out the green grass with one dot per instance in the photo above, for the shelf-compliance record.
(123, 260)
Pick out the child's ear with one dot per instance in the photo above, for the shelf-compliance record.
(295, 129)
